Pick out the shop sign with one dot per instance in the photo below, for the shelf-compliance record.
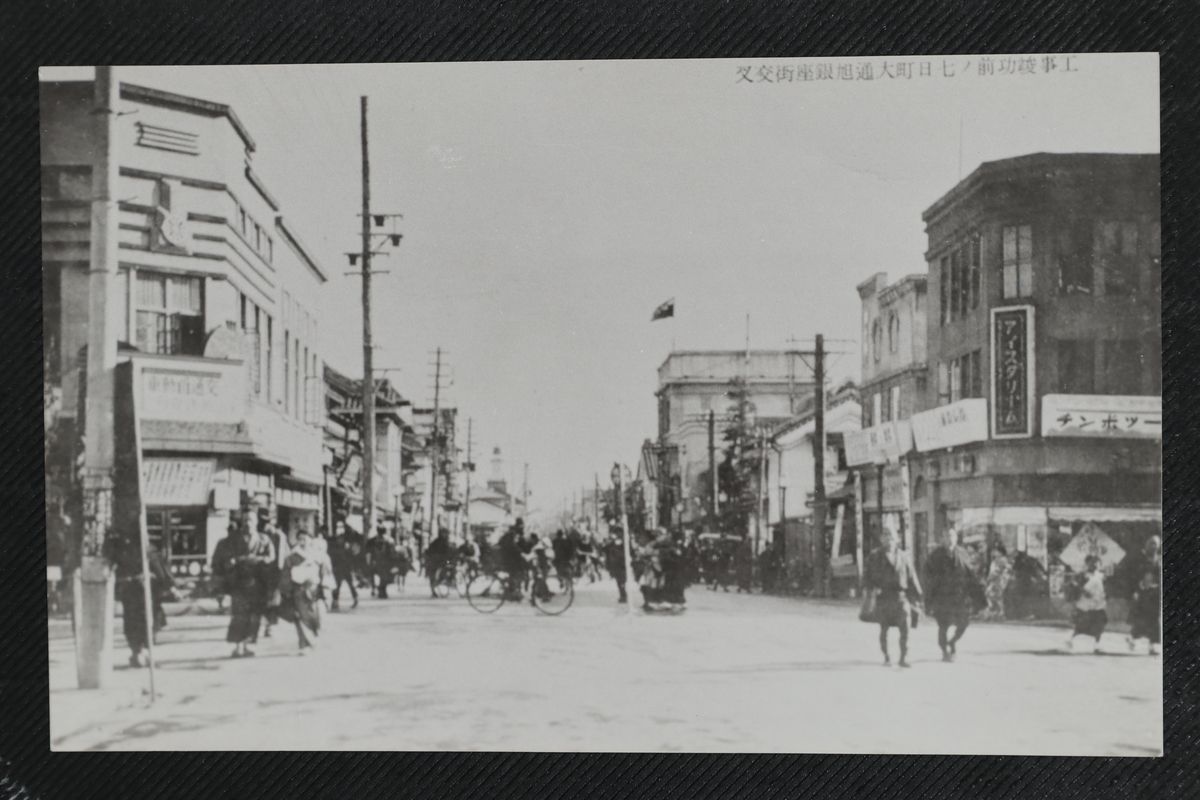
(1092, 541)
(191, 395)
(1012, 372)
(306, 501)
(879, 444)
(952, 425)
(176, 481)
(1102, 416)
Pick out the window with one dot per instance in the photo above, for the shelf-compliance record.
(251, 317)
(944, 282)
(894, 333)
(965, 375)
(957, 307)
(1017, 267)
(885, 403)
(270, 359)
(1116, 256)
(243, 221)
(943, 383)
(303, 381)
(877, 408)
(1123, 367)
(1076, 366)
(169, 314)
(1075, 258)
(296, 376)
(876, 339)
(867, 419)
(287, 372)
(894, 402)
(974, 260)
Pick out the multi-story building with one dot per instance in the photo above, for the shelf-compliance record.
(1044, 367)
(213, 302)
(893, 389)
(693, 385)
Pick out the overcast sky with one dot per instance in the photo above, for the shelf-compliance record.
(549, 207)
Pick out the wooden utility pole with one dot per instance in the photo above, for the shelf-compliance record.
(434, 446)
(368, 384)
(715, 506)
(823, 565)
(467, 493)
(620, 487)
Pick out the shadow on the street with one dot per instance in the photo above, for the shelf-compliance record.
(150, 728)
(1071, 654)
(792, 666)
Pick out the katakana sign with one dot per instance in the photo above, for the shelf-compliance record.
(1105, 416)
(1012, 371)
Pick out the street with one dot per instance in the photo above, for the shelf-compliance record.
(733, 673)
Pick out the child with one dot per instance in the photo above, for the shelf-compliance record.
(1091, 616)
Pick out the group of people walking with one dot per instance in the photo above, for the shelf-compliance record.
(270, 579)
(953, 593)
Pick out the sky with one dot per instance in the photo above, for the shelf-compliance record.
(549, 207)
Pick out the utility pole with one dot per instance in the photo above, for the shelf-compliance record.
(435, 446)
(94, 582)
(620, 487)
(715, 505)
(467, 493)
(819, 465)
(525, 492)
(596, 502)
(368, 385)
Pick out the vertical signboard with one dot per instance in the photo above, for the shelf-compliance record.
(1012, 372)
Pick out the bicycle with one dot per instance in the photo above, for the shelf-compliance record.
(551, 593)
(444, 579)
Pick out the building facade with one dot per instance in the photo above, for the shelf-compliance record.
(1044, 340)
(216, 307)
(694, 385)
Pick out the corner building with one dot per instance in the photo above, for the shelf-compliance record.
(217, 303)
(1044, 309)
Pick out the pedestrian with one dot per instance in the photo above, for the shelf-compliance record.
(1091, 615)
(1028, 585)
(614, 563)
(131, 591)
(307, 575)
(272, 573)
(951, 591)
(437, 559)
(999, 572)
(345, 553)
(222, 565)
(250, 555)
(743, 561)
(890, 575)
(1146, 609)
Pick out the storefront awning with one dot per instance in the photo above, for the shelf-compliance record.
(294, 498)
(177, 481)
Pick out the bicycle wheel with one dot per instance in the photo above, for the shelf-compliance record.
(462, 578)
(442, 583)
(554, 595)
(485, 592)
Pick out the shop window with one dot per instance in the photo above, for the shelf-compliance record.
(169, 314)
(1075, 258)
(1017, 262)
(180, 534)
(1123, 367)
(1116, 256)
(1076, 366)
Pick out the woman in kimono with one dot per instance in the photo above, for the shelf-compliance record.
(307, 577)
(249, 557)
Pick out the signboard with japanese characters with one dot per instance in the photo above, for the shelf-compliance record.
(951, 425)
(1092, 541)
(192, 393)
(1012, 372)
(879, 444)
(1102, 416)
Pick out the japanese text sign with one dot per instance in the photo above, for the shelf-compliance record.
(878, 444)
(1111, 416)
(1012, 372)
(951, 425)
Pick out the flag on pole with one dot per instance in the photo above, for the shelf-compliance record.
(667, 309)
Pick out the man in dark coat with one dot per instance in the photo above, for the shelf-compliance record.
(952, 591)
(131, 592)
(891, 576)
(345, 553)
(614, 562)
(438, 558)
(249, 556)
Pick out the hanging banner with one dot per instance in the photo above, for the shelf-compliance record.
(1104, 416)
(1012, 372)
(951, 425)
(880, 444)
